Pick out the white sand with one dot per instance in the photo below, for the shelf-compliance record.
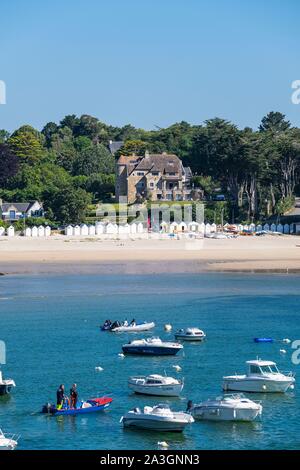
(62, 254)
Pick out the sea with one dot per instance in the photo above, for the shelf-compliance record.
(50, 326)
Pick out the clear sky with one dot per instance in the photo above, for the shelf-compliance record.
(148, 62)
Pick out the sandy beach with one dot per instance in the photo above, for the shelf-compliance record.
(58, 254)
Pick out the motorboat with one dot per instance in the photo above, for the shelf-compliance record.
(8, 441)
(263, 340)
(82, 407)
(262, 376)
(227, 408)
(6, 385)
(190, 334)
(156, 385)
(152, 347)
(133, 328)
(158, 418)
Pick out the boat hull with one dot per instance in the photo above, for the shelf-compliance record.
(225, 414)
(5, 389)
(154, 425)
(189, 337)
(256, 386)
(157, 390)
(98, 404)
(150, 350)
(134, 329)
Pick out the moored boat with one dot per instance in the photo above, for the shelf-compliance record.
(133, 328)
(190, 334)
(83, 407)
(157, 385)
(262, 376)
(6, 385)
(227, 408)
(158, 418)
(152, 347)
(8, 441)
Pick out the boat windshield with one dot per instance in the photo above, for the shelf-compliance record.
(269, 369)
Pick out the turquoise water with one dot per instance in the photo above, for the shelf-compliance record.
(51, 328)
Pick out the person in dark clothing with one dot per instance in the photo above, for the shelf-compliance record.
(73, 396)
(60, 395)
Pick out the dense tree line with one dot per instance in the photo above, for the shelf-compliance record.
(68, 165)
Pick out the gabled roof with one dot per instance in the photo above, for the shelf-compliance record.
(115, 145)
(163, 163)
(19, 206)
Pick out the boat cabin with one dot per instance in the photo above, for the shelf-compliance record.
(262, 367)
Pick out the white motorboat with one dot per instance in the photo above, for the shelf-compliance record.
(156, 385)
(227, 408)
(262, 376)
(190, 334)
(152, 347)
(6, 385)
(7, 441)
(134, 328)
(158, 418)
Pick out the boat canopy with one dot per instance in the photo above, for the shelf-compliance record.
(260, 363)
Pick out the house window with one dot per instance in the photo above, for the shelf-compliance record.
(140, 173)
(155, 173)
(151, 184)
(12, 215)
(172, 173)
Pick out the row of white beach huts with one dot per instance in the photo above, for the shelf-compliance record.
(140, 228)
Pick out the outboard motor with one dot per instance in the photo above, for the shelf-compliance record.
(189, 406)
(47, 408)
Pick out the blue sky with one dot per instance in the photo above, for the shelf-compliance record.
(148, 62)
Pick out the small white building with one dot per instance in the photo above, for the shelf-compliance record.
(41, 231)
(193, 227)
(69, 230)
(27, 232)
(76, 231)
(34, 231)
(92, 230)
(99, 229)
(84, 230)
(47, 231)
(10, 231)
(173, 227)
(2, 231)
(140, 228)
(133, 228)
(182, 227)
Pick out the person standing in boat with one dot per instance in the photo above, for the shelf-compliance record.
(73, 396)
(60, 395)
(132, 323)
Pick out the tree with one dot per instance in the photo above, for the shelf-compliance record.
(93, 159)
(48, 131)
(9, 164)
(68, 205)
(27, 144)
(132, 147)
(4, 135)
(274, 122)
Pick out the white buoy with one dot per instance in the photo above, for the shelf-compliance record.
(168, 327)
(286, 340)
(292, 387)
(177, 368)
(99, 369)
(121, 355)
(282, 351)
(163, 444)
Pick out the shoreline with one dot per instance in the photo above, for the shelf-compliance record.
(256, 255)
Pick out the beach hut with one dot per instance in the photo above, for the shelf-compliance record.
(69, 230)
(121, 229)
(173, 227)
(41, 231)
(202, 228)
(126, 228)
(259, 228)
(11, 231)
(99, 229)
(240, 227)
(182, 227)
(84, 230)
(2, 231)
(267, 227)
(273, 228)
(76, 231)
(213, 228)
(92, 230)
(47, 231)
(110, 228)
(193, 226)
(280, 228)
(140, 228)
(133, 228)
(207, 228)
(27, 232)
(286, 229)
(252, 227)
(34, 231)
